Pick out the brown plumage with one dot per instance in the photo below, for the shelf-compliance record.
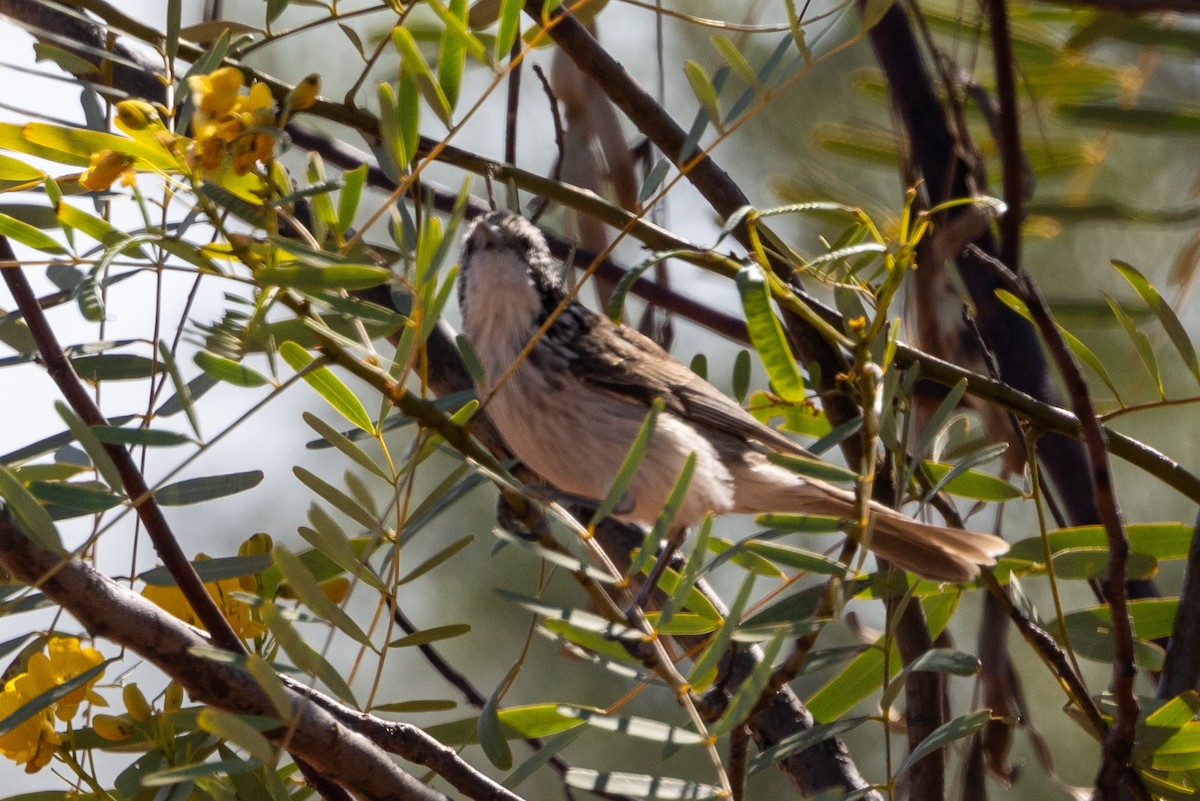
(572, 408)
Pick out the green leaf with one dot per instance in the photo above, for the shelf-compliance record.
(1143, 120)
(150, 437)
(1092, 563)
(633, 460)
(229, 371)
(236, 730)
(216, 569)
(202, 770)
(678, 595)
(29, 236)
(702, 87)
(587, 621)
(309, 278)
(328, 538)
(349, 197)
(303, 655)
(183, 397)
(305, 585)
(936, 425)
(16, 170)
(973, 484)
(338, 499)
(715, 651)
(95, 450)
(75, 497)
(654, 179)
(1081, 351)
(1163, 541)
(404, 707)
(456, 40)
(1165, 314)
(30, 515)
(767, 335)
(328, 386)
(633, 726)
(437, 559)
(344, 444)
(935, 660)
(491, 736)
(864, 674)
(741, 375)
(812, 467)
(800, 524)
(664, 526)
(564, 560)
(432, 635)
(415, 66)
(802, 740)
(78, 144)
(509, 27)
(748, 694)
(99, 367)
(796, 558)
(736, 60)
(639, 785)
(99, 229)
(1090, 630)
(1140, 342)
(207, 488)
(945, 734)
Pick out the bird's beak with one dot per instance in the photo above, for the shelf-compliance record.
(486, 233)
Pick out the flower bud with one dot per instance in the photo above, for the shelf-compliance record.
(173, 698)
(305, 93)
(136, 704)
(113, 727)
(137, 115)
(256, 544)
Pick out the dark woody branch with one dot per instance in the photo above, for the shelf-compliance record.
(318, 731)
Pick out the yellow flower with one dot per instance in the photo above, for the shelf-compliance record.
(229, 123)
(217, 92)
(241, 615)
(33, 742)
(106, 167)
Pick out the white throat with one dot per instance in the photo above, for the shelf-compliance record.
(501, 311)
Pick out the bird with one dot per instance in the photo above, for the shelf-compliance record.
(570, 406)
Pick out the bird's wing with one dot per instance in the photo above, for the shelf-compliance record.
(628, 364)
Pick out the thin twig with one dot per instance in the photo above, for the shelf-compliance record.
(61, 371)
(1118, 743)
(1009, 136)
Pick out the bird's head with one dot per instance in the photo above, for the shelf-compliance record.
(505, 260)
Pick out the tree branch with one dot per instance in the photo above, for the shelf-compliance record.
(321, 738)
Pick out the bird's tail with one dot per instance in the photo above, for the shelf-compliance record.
(932, 552)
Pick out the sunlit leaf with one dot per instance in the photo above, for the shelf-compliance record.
(327, 385)
(767, 335)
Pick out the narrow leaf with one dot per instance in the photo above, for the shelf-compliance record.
(767, 335)
(1165, 314)
(327, 385)
(197, 490)
(31, 516)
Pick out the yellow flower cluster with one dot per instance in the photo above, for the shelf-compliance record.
(241, 615)
(105, 167)
(229, 123)
(32, 743)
